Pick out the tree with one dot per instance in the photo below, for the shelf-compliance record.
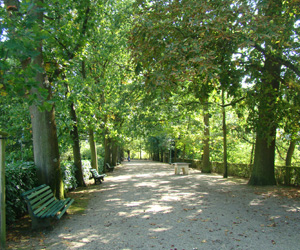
(179, 41)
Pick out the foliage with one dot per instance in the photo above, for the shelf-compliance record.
(20, 177)
(68, 170)
(15, 120)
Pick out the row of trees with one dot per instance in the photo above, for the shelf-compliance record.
(201, 69)
(193, 48)
(66, 61)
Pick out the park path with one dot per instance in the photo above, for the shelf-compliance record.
(143, 205)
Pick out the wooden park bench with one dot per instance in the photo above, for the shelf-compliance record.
(109, 168)
(97, 176)
(43, 206)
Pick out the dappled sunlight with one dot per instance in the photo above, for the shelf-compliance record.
(146, 184)
(158, 208)
(294, 209)
(148, 201)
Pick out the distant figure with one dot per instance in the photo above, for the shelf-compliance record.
(128, 158)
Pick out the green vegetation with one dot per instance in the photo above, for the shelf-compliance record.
(85, 82)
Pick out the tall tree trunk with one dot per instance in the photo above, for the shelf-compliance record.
(206, 165)
(75, 142)
(225, 174)
(114, 152)
(45, 142)
(183, 153)
(252, 153)
(94, 160)
(76, 148)
(45, 149)
(107, 152)
(263, 169)
(288, 162)
(175, 152)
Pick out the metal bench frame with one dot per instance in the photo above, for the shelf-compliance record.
(97, 177)
(43, 206)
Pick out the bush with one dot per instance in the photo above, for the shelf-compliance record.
(20, 177)
(68, 173)
(86, 166)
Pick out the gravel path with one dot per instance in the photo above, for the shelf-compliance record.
(143, 205)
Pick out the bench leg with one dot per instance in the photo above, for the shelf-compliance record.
(37, 223)
(185, 170)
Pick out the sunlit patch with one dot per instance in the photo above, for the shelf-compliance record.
(147, 184)
(122, 177)
(170, 198)
(160, 229)
(134, 203)
(158, 208)
(292, 209)
(75, 244)
(256, 202)
(142, 175)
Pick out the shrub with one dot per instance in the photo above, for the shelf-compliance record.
(68, 173)
(20, 177)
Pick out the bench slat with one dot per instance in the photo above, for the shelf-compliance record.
(49, 201)
(57, 206)
(36, 202)
(69, 203)
(46, 210)
(42, 205)
(33, 190)
(38, 192)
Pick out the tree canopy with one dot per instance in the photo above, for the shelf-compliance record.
(174, 77)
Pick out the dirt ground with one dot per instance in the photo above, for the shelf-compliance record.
(127, 177)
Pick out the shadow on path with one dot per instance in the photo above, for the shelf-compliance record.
(143, 205)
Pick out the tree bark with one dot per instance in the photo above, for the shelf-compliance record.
(107, 153)
(206, 165)
(288, 162)
(225, 174)
(45, 142)
(76, 148)
(114, 152)
(94, 160)
(264, 155)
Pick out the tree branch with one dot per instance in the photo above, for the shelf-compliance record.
(232, 103)
(279, 60)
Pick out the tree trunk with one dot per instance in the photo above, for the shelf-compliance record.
(225, 175)
(114, 152)
(206, 166)
(107, 153)
(94, 160)
(183, 153)
(263, 169)
(264, 154)
(45, 149)
(45, 142)
(175, 152)
(76, 148)
(288, 162)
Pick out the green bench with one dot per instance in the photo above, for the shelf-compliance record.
(97, 176)
(109, 168)
(43, 206)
